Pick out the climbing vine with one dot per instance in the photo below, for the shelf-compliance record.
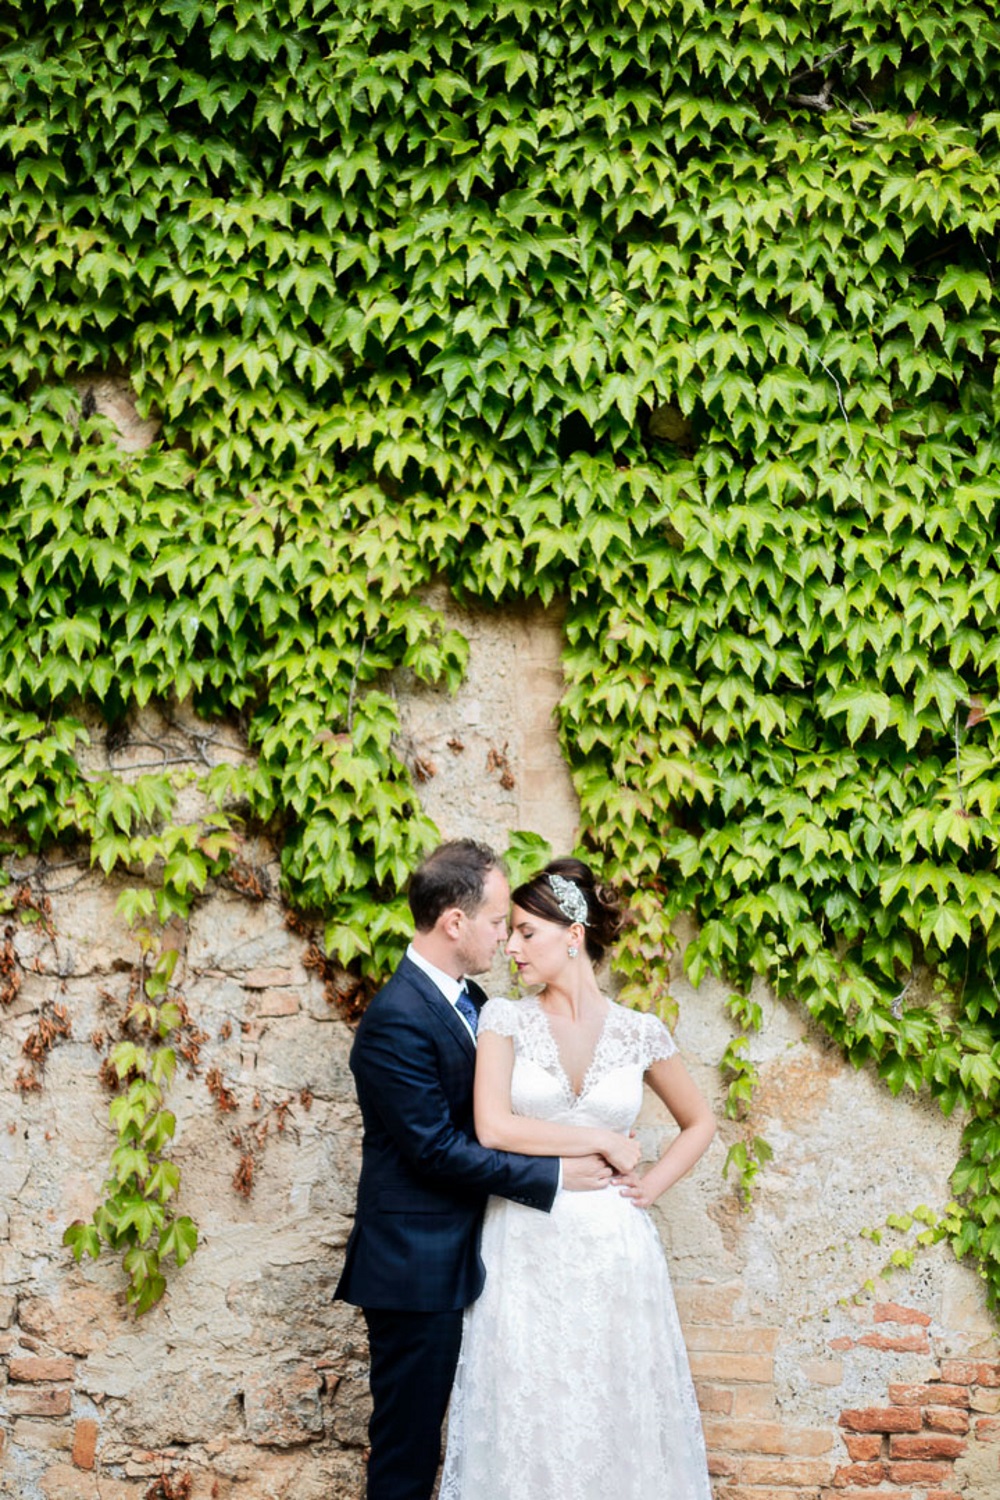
(684, 314)
(136, 1216)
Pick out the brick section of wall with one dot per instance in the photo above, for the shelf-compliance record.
(904, 1447)
(753, 1453)
(909, 1445)
(908, 1449)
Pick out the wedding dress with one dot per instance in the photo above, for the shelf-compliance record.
(573, 1381)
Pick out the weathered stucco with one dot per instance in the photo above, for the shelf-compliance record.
(251, 1381)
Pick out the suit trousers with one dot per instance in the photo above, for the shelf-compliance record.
(413, 1360)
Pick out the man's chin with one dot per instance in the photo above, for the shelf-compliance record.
(475, 963)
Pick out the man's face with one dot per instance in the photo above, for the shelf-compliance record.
(484, 932)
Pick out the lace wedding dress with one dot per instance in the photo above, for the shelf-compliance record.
(573, 1381)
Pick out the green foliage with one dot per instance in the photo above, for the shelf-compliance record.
(746, 1157)
(913, 1232)
(525, 854)
(136, 1217)
(685, 314)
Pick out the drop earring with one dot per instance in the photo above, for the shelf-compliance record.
(572, 950)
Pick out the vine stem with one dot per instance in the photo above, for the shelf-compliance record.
(829, 56)
(797, 333)
(354, 684)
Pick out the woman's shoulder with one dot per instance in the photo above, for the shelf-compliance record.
(646, 1029)
(501, 1015)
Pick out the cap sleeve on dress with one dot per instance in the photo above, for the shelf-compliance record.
(499, 1016)
(657, 1043)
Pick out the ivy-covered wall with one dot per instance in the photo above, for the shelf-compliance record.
(685, 313)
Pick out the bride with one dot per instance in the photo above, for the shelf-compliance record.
(573, 1380)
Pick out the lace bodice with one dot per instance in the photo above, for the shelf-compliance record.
(611, 1095)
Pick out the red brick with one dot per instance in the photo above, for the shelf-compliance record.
(988, 1430)
(797, 1471)
(865, 1494)
(758, 1368)
(756, 1402)
(276, 1003)
(861, 1474)
(266, 979)
(723, 1466)
(925, 1445)
(841, 1344)
(38, 1401)
(943, 1495)
(767, 1437)
(731, 1340)
(85, 1443)
(946, 1419)
(917, 1473)
(970, 1372)
(882, 1419)
(903, 1343)
(714, 1398)
(929, 1395)
(707, 1304)
(894, 1312)
(29, 1368)
(861, 1448)
(746, 1492)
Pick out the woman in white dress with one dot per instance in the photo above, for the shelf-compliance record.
(573, 1381)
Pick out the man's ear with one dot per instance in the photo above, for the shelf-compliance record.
(450, 921)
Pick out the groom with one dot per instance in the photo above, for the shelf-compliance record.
(413, 1259)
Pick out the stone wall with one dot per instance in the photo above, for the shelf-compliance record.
(818, 1377)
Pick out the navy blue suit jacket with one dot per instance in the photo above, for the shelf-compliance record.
(424, 1176)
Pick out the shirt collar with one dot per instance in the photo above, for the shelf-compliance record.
(450, 987)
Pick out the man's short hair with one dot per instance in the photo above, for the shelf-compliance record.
(454, 874)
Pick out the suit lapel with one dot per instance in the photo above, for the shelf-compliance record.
(445, 1014)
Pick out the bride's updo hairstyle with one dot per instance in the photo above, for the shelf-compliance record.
(604, 918)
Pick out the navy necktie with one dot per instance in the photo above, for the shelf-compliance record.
(466, 1008)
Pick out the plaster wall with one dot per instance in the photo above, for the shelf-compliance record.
(248, 1383)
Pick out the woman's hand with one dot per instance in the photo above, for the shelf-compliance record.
(633, 1188)
(622, 1151)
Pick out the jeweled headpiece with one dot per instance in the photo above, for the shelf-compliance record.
(569, 898)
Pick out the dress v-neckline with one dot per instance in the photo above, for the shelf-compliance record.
(585, 1082)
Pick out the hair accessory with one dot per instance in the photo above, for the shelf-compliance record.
(569, 898)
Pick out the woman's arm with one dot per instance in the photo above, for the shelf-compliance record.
(498, 1127)
(671, 1082)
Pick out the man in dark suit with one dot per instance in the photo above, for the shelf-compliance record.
(413, 1258)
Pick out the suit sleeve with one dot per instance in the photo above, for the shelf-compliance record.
(398, 1067)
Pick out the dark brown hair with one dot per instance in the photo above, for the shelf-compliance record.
(604, 917)
(453, 874)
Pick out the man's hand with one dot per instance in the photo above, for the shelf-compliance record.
(583, 1174)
